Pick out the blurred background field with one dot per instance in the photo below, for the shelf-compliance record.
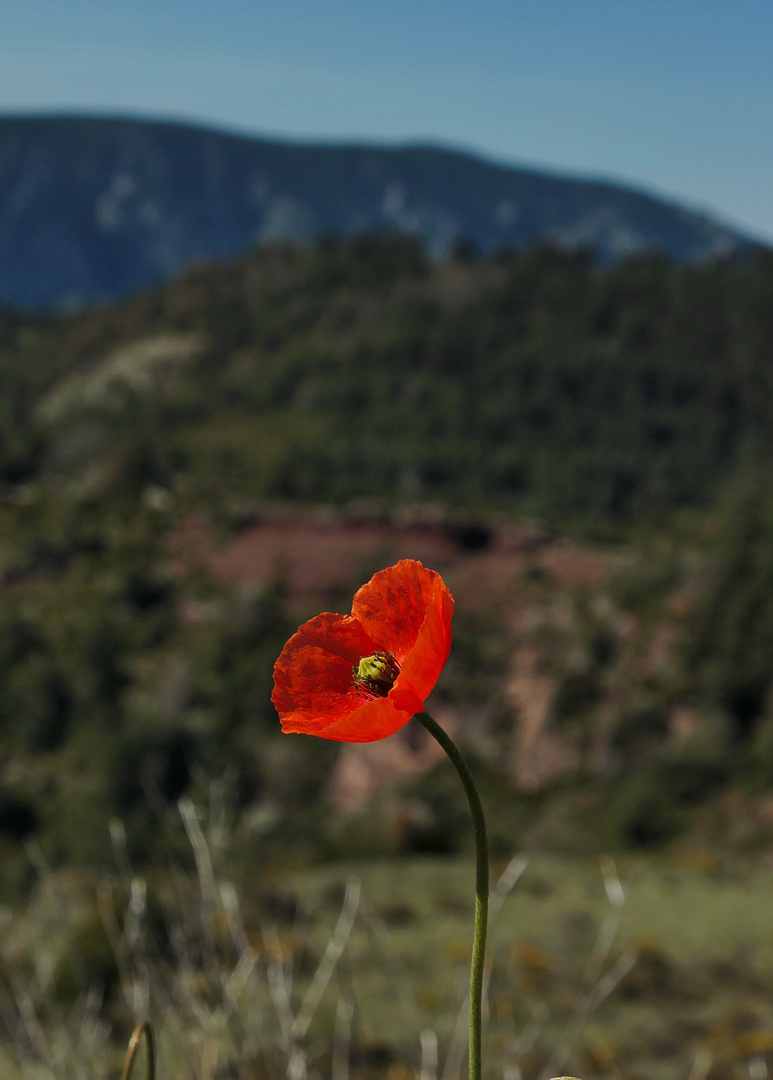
(253, 354)
(583, 452)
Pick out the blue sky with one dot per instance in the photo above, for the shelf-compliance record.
(672, 96)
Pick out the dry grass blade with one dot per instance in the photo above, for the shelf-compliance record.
(331, 956)
(429, 1055)
(586, 1006)
(142, 1031)
(342, 1039)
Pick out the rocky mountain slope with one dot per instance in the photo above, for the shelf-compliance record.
(92, 209)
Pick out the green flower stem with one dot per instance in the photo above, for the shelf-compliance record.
(481, 890)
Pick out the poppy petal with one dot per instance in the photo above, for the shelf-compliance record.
(405, 610)
(393, 604)
(375, 719)
(313, 675)
(427, 658)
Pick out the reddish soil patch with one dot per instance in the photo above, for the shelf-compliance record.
(318, 560)
(323, 559)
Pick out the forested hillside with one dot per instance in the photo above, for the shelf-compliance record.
(537, 384)
(147, 451)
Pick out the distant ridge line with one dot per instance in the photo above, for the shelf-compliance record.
(95, 207)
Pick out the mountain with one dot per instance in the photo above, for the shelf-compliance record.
(94, 208)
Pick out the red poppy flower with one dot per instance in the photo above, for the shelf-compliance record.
(361, 677)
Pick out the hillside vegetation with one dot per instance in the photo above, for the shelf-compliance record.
(628, 406)
(539, 384)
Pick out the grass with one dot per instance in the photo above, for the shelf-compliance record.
(652, 968)
(701, 987)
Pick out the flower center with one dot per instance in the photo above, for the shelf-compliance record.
(376, 674)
